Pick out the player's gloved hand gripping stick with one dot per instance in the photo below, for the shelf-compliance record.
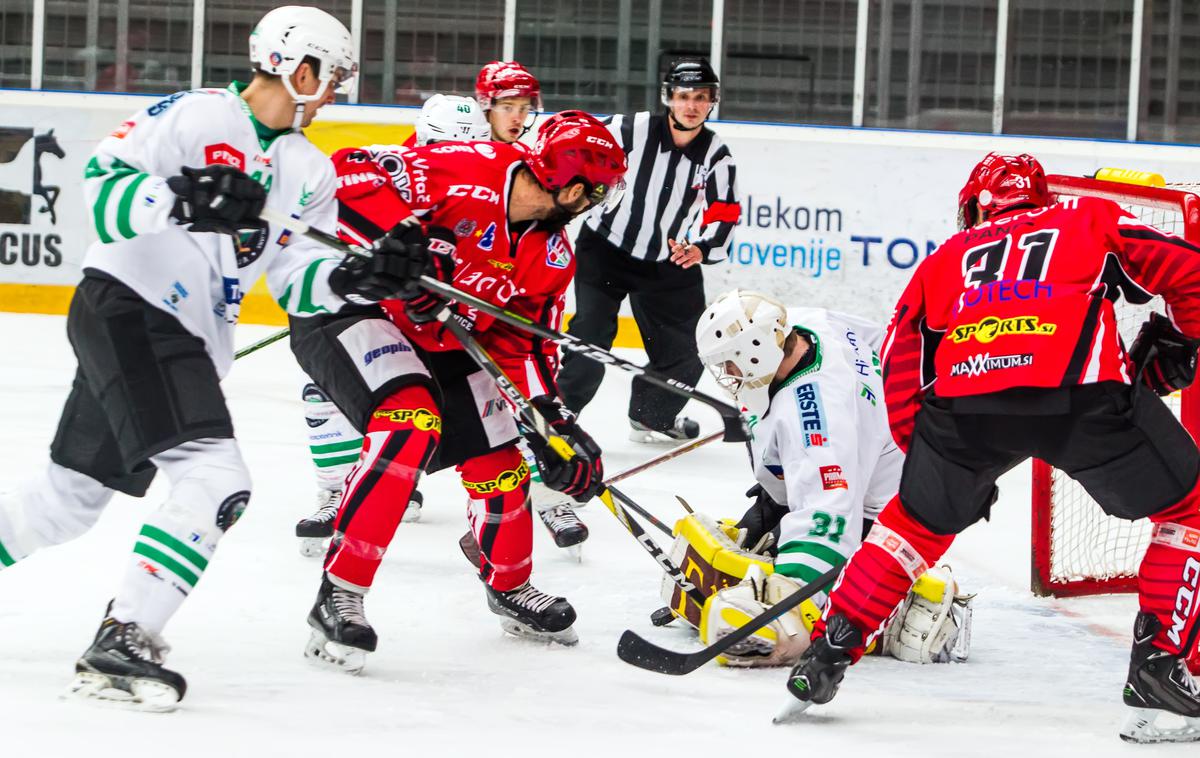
(735, 426)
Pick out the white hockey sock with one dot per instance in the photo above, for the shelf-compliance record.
(55, 507)
(334, 443)
(210, 487)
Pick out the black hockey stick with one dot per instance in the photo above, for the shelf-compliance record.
(674, 452)
(534, 420)
(637, 651)
(735, 426)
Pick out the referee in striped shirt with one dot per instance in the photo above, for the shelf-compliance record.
(679, 210)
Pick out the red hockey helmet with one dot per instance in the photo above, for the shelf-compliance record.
(998, 183)
(500, 79)
(573, 146)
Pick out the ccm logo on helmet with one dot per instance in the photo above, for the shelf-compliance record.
(224, 154)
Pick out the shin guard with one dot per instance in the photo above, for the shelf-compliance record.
(402, 434)
(498, 512)
(1169, 576)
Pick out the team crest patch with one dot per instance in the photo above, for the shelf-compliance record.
(464, 227)
(558, 254)
(488, 239)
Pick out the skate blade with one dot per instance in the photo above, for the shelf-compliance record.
(312, 547)
(652, 438)
(567, 637)
(575, 552)
(1141, 729)
(412, 515)
(792, 712)
(350, 660)
(133, 694)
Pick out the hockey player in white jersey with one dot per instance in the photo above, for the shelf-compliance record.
(333, 441)
(174, 197)
(825, 461)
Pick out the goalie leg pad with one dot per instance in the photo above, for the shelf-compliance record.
(779, 643)
(933, 624)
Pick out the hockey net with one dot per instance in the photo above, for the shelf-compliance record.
(1077, 548)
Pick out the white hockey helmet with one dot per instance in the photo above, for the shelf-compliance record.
(287, 35)
(451, 117)
(740, 339)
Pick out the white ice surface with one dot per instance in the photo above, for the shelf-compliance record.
(1044, 678)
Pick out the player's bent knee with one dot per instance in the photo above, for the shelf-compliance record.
(499, 472)
(210, 483)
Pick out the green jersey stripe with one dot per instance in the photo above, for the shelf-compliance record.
(99, 209)
(806, 574)
(337, 447)
(124, 228)
(174, 543)
(117, 171)
(338, 461)
(306, 304)
(815, 549)
(6, 560)
(169, 563)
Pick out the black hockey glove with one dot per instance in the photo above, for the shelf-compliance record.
(396, 262)
(582, 476)
(1163, 357)
(217, 199)
(761, 522)
(424, 305)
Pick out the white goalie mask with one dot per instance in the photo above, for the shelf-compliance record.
(740, 339)
(451, 117)
(285, 36)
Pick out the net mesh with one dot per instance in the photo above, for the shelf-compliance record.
(1086, 544)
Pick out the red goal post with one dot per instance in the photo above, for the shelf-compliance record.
(1077, 548)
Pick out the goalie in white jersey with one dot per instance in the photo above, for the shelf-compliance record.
(825, 464)
(174, 196)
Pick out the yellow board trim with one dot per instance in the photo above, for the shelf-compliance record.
(258, 307)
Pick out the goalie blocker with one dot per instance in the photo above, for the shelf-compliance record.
(932, 625)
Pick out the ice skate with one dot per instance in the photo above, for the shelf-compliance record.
(123, 667)
(531, 613)
(341, 636)
(564, 524)
(815, 679)
(1158, 682)
(682, 430)
(412, 514)
(314, 532)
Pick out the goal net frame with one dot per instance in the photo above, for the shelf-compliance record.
(1045, 579)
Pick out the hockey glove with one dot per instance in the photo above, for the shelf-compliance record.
(396, 262)
(582, 476)
(761, 522)
(424, 305)
(217, 199)
(1163, 356)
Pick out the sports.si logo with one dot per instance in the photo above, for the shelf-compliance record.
(977, 365)
(558, 253)
(990, 328)
(812, 415)
(395, 347)
(505, 481)
(224, 154)
(422, 418)
(832, 479)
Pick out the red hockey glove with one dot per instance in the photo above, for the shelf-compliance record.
(582, 476)
(1163, 357)
(424, 305)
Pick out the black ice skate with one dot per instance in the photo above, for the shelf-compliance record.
(315, 531)
(1157, 682)
(529, 612)
(124, 667)
(815, 679)
(341, 635)
(564, 524)
(682, 430)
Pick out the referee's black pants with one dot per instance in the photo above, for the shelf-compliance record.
(667, 301)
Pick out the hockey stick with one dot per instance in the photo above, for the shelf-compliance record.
(534, 420)
(735, 426)
(261, 343)
(674, 452)
(639, 652)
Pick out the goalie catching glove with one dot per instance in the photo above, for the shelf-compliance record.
(1163, 356)
(582, 475)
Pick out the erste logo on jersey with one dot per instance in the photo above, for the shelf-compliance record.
(558, 253)
(812, 415)
(977, 365)
(832, 478)
(224, 154)
(991, 328)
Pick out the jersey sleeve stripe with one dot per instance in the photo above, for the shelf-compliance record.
(1082, 349)
(124, 228)
(1151, 234)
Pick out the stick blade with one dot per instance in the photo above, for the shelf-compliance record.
(646, 655)
(736, 429)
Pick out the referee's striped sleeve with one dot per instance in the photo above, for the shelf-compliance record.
(722, 211)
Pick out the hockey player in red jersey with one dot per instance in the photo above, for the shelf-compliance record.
(420, 400)
(1004, 346)
(510, 97)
